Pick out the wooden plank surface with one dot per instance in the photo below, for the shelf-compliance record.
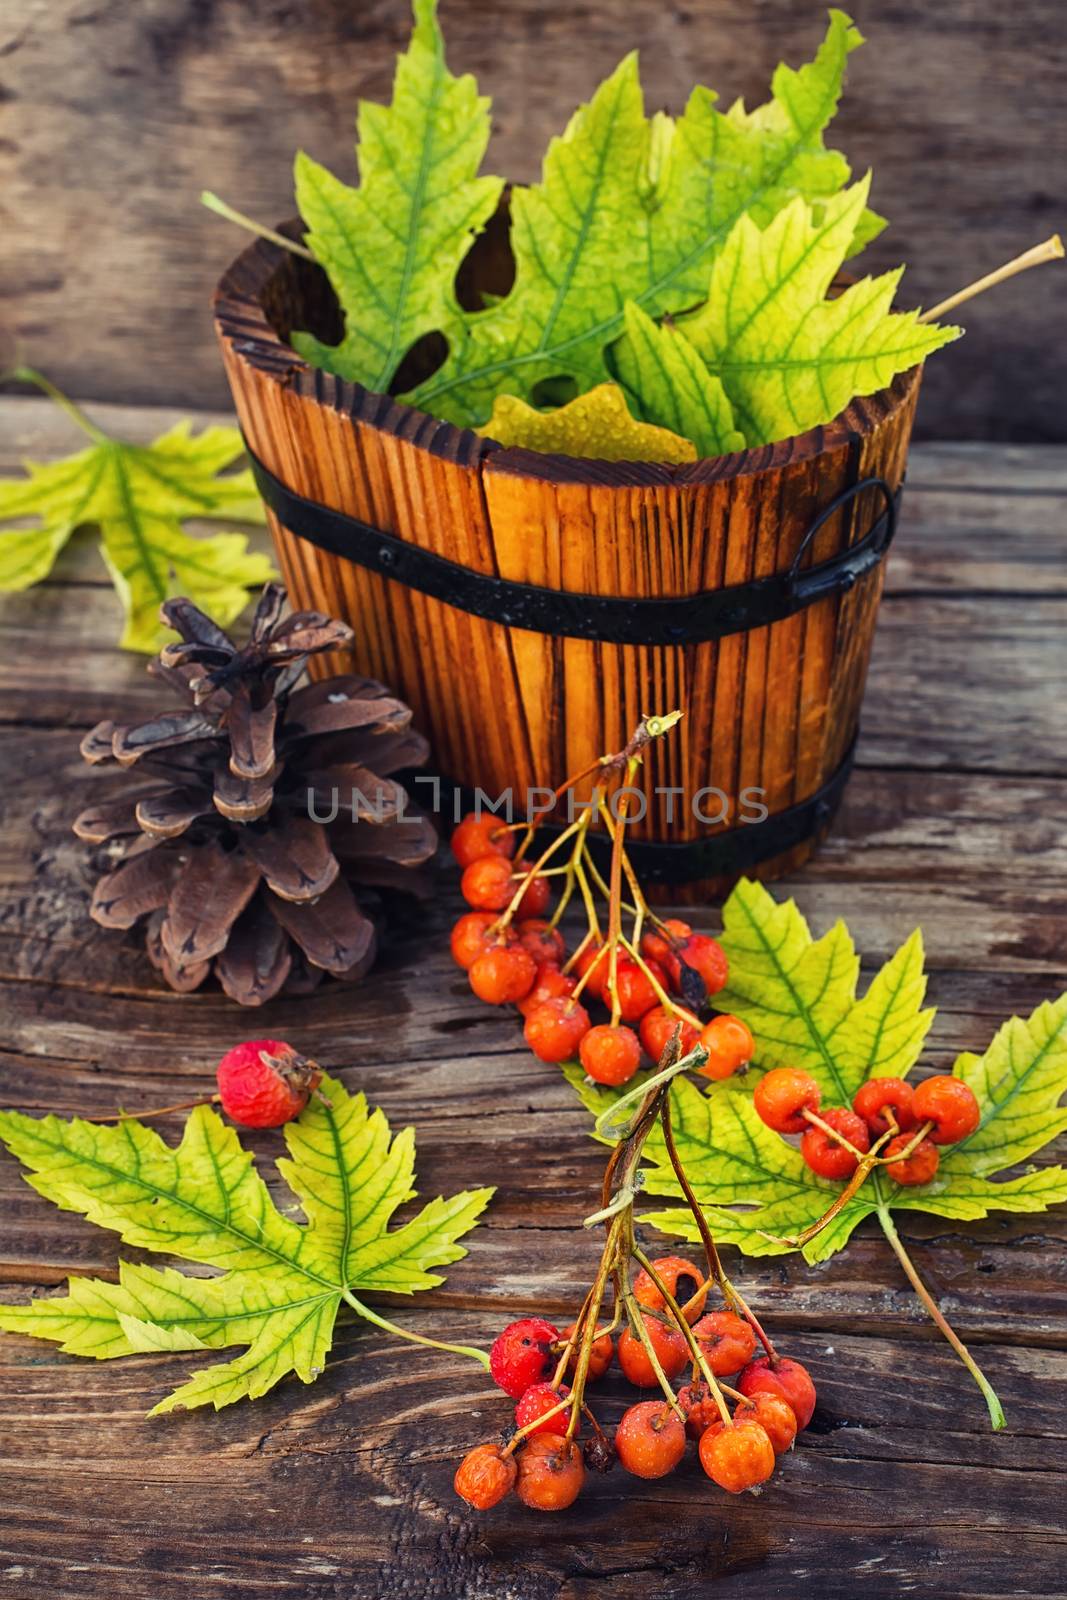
(956, 819)
(117, 116)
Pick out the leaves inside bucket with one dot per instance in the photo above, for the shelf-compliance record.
(635, 220)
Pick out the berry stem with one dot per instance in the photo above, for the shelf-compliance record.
(46, 386)
(222, 209)
(615, 892)
(996, 1410)
(864, 1168)
(416, 1338)
(909, 1149)
(1049, 250)
(830, 1132)
(711, 1252)
(687, 1333)
(660, 992)
(154, 1111)
(532, 872)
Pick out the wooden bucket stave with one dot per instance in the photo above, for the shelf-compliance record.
(774, 709)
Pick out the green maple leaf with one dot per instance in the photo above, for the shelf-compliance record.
(788, 357)
(635, 209)
(280, 1283)
(799, 997)
(138, 496)
(668, 384)
(392, 246)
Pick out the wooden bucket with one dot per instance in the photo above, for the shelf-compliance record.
(770, 673)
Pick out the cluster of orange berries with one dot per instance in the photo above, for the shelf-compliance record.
(542, 1459)
(939, 1111)
(512, 955)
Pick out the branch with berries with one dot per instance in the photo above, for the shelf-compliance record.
(651, 975)
(666, 1331)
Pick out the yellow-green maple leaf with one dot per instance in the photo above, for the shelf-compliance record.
(391, 247)
(788, 357)
(597, 425)
(139, 496)
(631, 208)
(280, 1283)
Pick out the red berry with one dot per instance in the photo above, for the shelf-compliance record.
(949, 1104)
(919, 1167)
(729, 1044)
(781, 1096)
(600, 1356)
(556, 1028)
(596, 957)
(727, 1341)
(786, 1378)
(551, 1473)
(633, 987)
(660, 945)
(550, 984)
(503, 974)
(681, 1279)
(875, 1096)
(535, 899)
(669, 1345)
(471, 937)
(824, 1155)
(539, 1399)
(479, 836)
(487, 884)
(610, 1054)
(485, 1476)
(650, 1439)
(737, 1457)
(265, 1082)
(700, 1409)
(706, 956)
(775, 1416)
(544, 942)
(657, 1026)
(522, 1355)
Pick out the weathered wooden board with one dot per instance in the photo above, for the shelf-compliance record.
(116, 116)
(955, 819)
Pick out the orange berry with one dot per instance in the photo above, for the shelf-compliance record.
(737, 1457)
(660, 944)
(824, 1155)
(610, 1054)
(784, 1377)
(503, 974)
(682, 1280)
(949, 1104)
(729, 1044)
(919, 1167)
(634, 988)
(550, 984)
(671, 1350)
(471, 937)
(551, 1472)
(706, 957)
(775, 1416)
(539, 1399)
(657, 1025)
(650, 1439)
(478, 836)
(782, 1095)
(544, 942)
(873, 1097)
(485, 1476)
(556, 1028)
(487, 884)
(535, 899)
(601, 1354)
(727, 1341)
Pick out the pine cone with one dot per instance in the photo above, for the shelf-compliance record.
(222, 853)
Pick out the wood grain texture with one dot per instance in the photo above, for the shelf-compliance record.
(116, 116)
(342, 1490)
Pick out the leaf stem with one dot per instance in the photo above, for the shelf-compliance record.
(74, 412)
(1049, 250)
(996, 1410)
(416, 1338)
(221, 209)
